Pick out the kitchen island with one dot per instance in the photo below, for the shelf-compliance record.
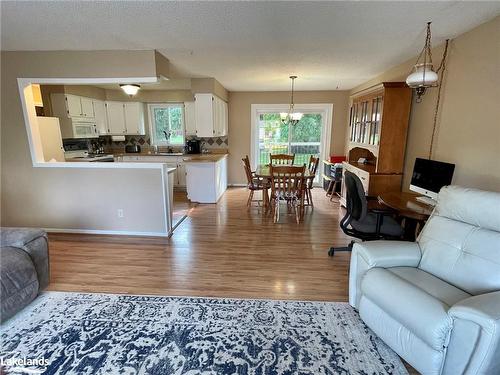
(206, 177)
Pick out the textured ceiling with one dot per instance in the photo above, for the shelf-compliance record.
(248, 45)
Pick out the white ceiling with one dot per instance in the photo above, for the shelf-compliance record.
(248, 45)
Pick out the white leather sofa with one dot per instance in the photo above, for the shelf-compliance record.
(436, 302)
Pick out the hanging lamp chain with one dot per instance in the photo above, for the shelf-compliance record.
(438, 100)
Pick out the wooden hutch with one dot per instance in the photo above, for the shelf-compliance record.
(378, 125)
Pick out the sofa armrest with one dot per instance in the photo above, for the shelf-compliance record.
(387, 254)
(35, 243)
(382, 254)
(484, 311)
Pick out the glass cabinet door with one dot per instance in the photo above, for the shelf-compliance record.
(375, 120)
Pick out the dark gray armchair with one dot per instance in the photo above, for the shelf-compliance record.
(24, 268)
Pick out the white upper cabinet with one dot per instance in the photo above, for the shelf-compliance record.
(204, 115)
(116, 118)
(87, 107)
(73, 105)
(125, 118)
(210, 116)
(134, 118)
(100, 116)
(67, 105)
(189, 118)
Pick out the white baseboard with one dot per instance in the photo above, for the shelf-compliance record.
(237, 185)
(109, 232)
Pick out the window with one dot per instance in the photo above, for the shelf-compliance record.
(310, 136)
(166, 122)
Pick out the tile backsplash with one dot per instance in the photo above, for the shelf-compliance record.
(145, 142)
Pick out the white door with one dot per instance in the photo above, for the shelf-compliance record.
(134, 118)
(73, 105)
(189, 118)
(87, 107)
(100, 116)
(204, 115)
(116, 118)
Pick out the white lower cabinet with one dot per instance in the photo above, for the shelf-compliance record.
(177, 162)
(206, 181)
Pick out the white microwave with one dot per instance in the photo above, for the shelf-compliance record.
(85, 129)
(77, 128)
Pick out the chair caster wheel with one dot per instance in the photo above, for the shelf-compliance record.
(331, 252)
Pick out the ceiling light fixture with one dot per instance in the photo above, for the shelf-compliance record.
(291, 118)
(423, 75)
(130, 89)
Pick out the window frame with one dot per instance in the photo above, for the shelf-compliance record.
(152, 128)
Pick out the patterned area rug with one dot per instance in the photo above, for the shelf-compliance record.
(121, 334)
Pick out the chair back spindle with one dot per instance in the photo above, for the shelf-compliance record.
(282, 159)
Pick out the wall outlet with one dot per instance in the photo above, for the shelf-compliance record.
(119, 212)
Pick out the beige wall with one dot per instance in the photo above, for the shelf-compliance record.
(65, 197)
(468, 132)
(240, 127)
(209, 85)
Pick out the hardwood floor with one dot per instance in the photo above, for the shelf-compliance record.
(220, 250)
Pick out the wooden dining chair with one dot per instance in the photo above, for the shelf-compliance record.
(287, 185)
(282, 159)
(254, 184)
(313, 168)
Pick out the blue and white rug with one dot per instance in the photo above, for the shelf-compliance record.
(74, 333)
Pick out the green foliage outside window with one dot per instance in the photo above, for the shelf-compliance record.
(168, 119)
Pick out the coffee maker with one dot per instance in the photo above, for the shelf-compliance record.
(192, 146)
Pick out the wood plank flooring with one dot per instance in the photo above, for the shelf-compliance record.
(221, 250)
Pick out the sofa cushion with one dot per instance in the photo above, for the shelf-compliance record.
(408, 300)
(18, 279)
(443, 291)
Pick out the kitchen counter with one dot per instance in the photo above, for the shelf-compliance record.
(204, 158)
(188, 158)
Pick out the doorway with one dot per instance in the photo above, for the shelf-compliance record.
(311, 135)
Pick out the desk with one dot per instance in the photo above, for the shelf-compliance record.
(415, 213)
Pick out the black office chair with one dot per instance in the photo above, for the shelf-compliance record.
(363, 223)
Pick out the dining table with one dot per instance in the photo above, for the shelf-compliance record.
(264, 171)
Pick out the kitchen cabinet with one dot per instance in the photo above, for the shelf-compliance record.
(125, 118)
(101, 120)
(134, 118)
(210, 116)
(116, 118)
(179, 176)
(69, 105)
(87, 107)
(189, 118)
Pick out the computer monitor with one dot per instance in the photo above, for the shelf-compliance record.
(429, 176)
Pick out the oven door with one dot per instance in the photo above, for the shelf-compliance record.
(85, 130)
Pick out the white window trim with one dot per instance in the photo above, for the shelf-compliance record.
(151, 121)
(326, 110)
